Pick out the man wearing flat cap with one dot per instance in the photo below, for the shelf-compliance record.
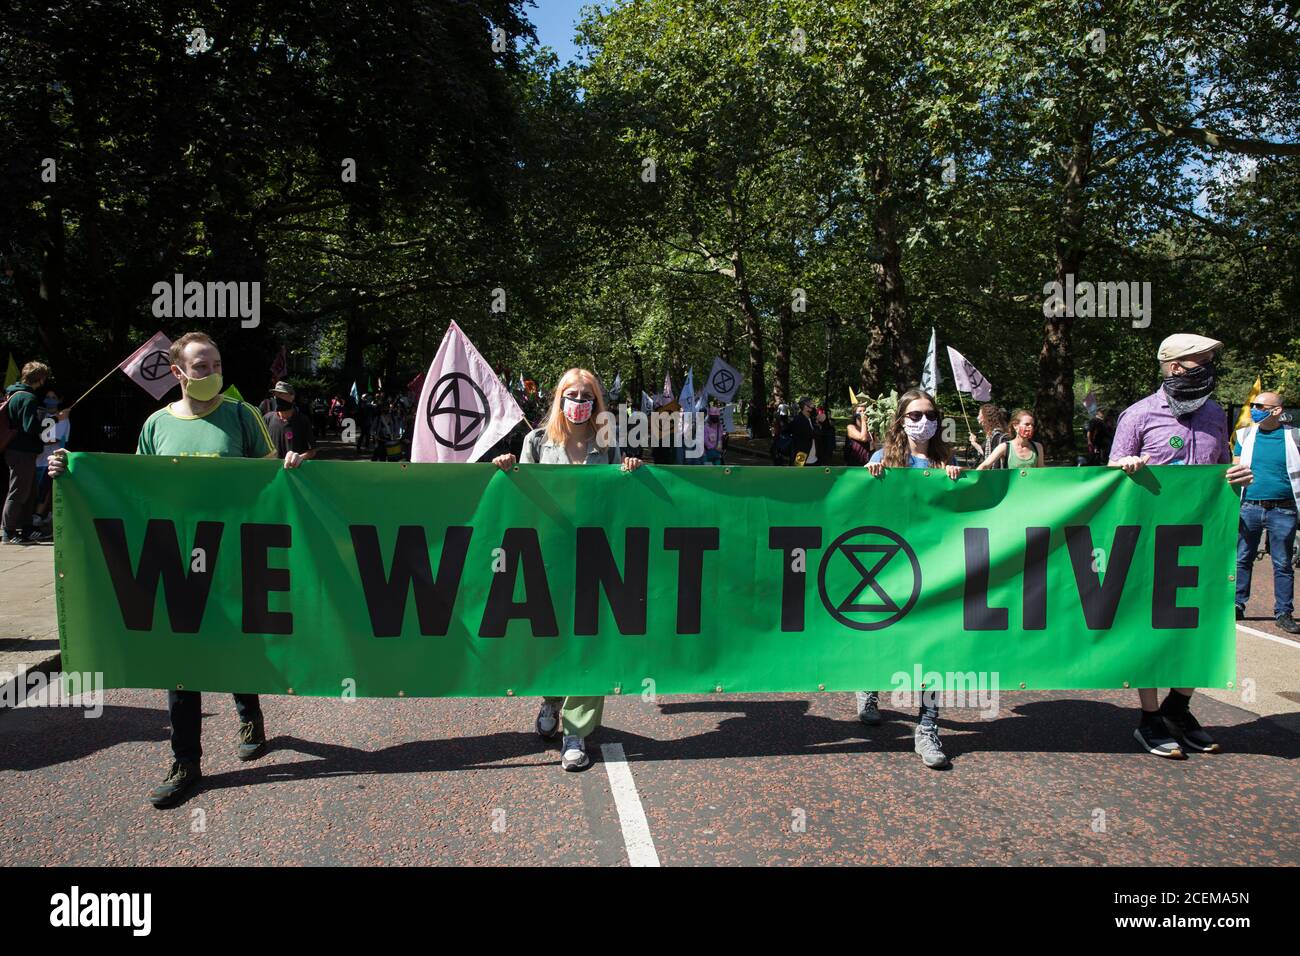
(290, 429)
(1177, 425)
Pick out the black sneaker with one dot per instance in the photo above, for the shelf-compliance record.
(181, 779)
(1288, 623)
(1241, 613)
(1189, 730)
(252, 739)
(1151, 735)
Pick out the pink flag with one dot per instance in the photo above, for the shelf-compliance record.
(280, 367)
(968, 378)
(150, 366)
(464, 409)
(1090, 403)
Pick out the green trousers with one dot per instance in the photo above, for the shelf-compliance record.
(579, 716)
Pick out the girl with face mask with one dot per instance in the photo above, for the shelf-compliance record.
(571, 435)
(1022, 451)
(913, 441)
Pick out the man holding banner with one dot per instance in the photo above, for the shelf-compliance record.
(208, 424)
(1179, 424)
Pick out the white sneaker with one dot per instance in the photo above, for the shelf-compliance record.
(548, 721)
(573, 754)
(927, 744)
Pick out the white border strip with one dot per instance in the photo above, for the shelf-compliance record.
(631, 816)
(1268, 637)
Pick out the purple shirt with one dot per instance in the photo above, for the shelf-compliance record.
(1148, 427)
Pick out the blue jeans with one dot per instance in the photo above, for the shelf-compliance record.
(1281, 525)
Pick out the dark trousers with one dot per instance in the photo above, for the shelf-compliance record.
(1281, 525)
(185, 709)
(22, 490)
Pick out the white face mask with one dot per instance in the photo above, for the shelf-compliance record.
(920, 431)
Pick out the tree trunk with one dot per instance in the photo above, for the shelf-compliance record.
(781, 387)
(754, 329)
(1054, 402)
(890, 360)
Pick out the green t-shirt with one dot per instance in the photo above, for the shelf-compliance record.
(233, 429)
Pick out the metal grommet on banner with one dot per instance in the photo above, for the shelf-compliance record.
(826, 470)
(926, 472)
(515, 468)
(1126, 685)
(618, 688)
(289, 691)
(176, 461)
(404, 464)
(180, 686)
(726, 471)
(717, 689)
(821, 686)
(60, 574)
(1022, 685)
(1229, 685)
(401, 693)
(510, 692)
(1232, 577)
(1023, 473)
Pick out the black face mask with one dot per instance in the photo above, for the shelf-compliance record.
(282, 406)
(1189, 391)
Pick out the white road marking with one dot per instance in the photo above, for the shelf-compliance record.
(631, 816)
(1268, 637)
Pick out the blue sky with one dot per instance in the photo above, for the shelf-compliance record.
(555, 20)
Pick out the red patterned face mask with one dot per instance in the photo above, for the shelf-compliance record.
(577, 411)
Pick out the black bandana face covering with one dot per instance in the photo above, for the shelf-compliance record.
(1189, 391)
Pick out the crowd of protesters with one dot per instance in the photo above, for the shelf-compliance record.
(1177, 424)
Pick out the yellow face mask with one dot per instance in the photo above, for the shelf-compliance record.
(203, 389)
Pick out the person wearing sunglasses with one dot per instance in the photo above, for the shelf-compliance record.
(913, 441)
(1021, 451)
(571, 435)
(1272, 452)
(1179, 424)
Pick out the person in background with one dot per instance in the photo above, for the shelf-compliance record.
(290, 429)
(570, 436)
(826, 437)
(993, 422)
(1178, 424)
(782, 438)
(803, 434)
(1271, 451)
(25, 416)
(713, 436)
(41, 518)
(913, 441)
(203, 423)
(860, 443)
(1097, 434)
(1021, 451)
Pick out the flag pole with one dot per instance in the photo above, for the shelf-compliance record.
(963, 412)
(93, 387)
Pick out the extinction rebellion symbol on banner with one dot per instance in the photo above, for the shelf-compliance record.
(851, 573)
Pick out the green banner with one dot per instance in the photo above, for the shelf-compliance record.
(388, 580)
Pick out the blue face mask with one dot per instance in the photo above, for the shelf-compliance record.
(1257, 415)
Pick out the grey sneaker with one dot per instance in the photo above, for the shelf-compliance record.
(548, 721)
(573, 754)
(928, 746)
(1153, 738)
(869, 707)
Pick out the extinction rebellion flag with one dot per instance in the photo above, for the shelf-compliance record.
(150, 366)
(464, 408)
